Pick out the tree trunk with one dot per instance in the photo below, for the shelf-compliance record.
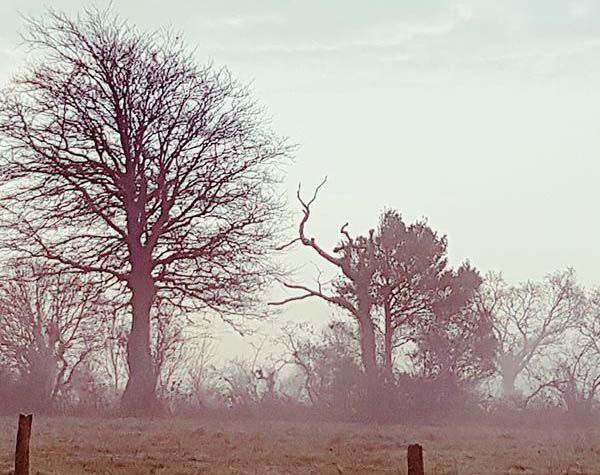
(508, 386)
(388, 340)
(368, 352)
(139, 397)
(367, 347)
(509, 377)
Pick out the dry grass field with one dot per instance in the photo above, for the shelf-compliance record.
(195, 445)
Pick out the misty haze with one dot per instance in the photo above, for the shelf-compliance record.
(299, 237)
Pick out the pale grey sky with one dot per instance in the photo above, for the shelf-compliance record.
(482, 116)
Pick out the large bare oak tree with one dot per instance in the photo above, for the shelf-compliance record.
(121, 157)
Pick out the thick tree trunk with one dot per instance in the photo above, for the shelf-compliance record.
(369, 360)
(508, 386)
(509, 373)
(139, 397)
(387, 341)
(368, 349)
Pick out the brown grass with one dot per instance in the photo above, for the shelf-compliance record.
(224, 446)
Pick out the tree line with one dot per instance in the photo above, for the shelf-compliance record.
(449, 335)
(140, 191)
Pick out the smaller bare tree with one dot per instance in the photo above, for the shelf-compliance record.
(254, 383)
(51, 322)
(529, 319)
(327, 361)
(573, 381)
(181, 349)
(574, 377)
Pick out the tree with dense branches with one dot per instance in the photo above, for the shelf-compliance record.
(52, 322)
(122, 158)
(395, 282)
(455, 340)
(411, 263)
(529, 320)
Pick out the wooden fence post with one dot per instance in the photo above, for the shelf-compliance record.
(415, 460)
(22, 450)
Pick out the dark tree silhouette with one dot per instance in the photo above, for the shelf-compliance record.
(121, 157)
(411, 260)
(399, 274)
(356, 260)
(455, 341)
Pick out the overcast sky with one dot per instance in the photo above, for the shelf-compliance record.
(482, 116)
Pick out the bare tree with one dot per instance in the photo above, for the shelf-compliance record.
(113, 360)
(51, 323)
(201, 372)
(529, 319)
(253, 383)
(356, 260)
(329, 364)
(180, 346)
(574, 375)
(573, 379)
(124, 159)
(168, 339)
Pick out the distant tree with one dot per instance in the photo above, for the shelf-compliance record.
(529, 319)
(455, 340)
(572, 376)
(168, 339)
(122, 158)
(573, 380)
(178, 344)
(200, 372)
(111, 364)
(329, 364)
(51, 324)
(253, 383)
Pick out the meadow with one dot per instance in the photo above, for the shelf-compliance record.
(226, 445)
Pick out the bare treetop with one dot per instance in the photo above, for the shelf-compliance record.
(530, 318)
(119, 141)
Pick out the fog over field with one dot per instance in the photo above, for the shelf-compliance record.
(380, 214)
